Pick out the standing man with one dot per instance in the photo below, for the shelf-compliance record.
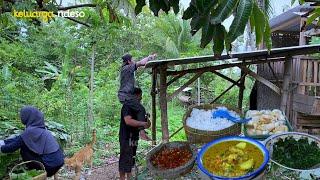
(129, 136)
(127, 84)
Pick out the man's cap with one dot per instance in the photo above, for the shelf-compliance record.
(137, 90)
(126, 57)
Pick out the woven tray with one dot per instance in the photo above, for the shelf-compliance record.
(196, 136)
(42, 176)
(176, 172)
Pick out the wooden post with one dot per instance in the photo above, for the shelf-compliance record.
(285, 85)
(241, 89)
(302, 41)
(163, 103)
(154, 110)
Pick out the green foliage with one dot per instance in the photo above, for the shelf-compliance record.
(212, 16)
(7, 161)
(258, 22)
(223, 11)
(49, 66)
(139, 6)
(204, 14)
(59, 132)
(26, 175)
(207, 34)
(9, 128)
(238, 25)
(165, 5)
(314, 16)
(267, 36)
(218, 38)
(287, 151)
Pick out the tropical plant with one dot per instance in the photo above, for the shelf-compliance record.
(209, 15)
(204, 14)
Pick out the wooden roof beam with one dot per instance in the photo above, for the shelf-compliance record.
(253, 55)
(224, 66)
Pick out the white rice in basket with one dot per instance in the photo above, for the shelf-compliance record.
(202, 119)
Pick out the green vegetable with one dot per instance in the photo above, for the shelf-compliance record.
(298, 154)
(26, 175)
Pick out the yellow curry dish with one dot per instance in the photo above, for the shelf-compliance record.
(232, 158)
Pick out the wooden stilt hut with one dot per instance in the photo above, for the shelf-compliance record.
(164, 73)
(302, 107)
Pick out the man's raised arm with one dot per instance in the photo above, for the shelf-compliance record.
(144, 61)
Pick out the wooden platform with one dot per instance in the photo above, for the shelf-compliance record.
(309, 105)
(308, 124)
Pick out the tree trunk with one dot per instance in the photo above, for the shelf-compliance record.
(90, 103)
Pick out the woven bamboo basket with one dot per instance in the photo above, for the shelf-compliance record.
(196, 136)
(42, 176)
(176, 172)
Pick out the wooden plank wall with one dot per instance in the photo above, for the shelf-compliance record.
(309, 82)
(305, 81)
(307, 118)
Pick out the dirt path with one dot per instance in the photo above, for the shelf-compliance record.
(107, 171)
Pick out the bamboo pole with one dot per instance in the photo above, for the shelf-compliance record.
(225, 77)
(302, 41)
(154, 110)
(274, 74)
(262, 80)
(199, 90)
(176, 132)
(241, 89)
(176, 78)
(285, 85)
(163, 103)
(195, 77)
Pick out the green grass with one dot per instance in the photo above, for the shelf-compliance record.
(107, 134)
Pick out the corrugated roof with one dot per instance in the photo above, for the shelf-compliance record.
(289, 20)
